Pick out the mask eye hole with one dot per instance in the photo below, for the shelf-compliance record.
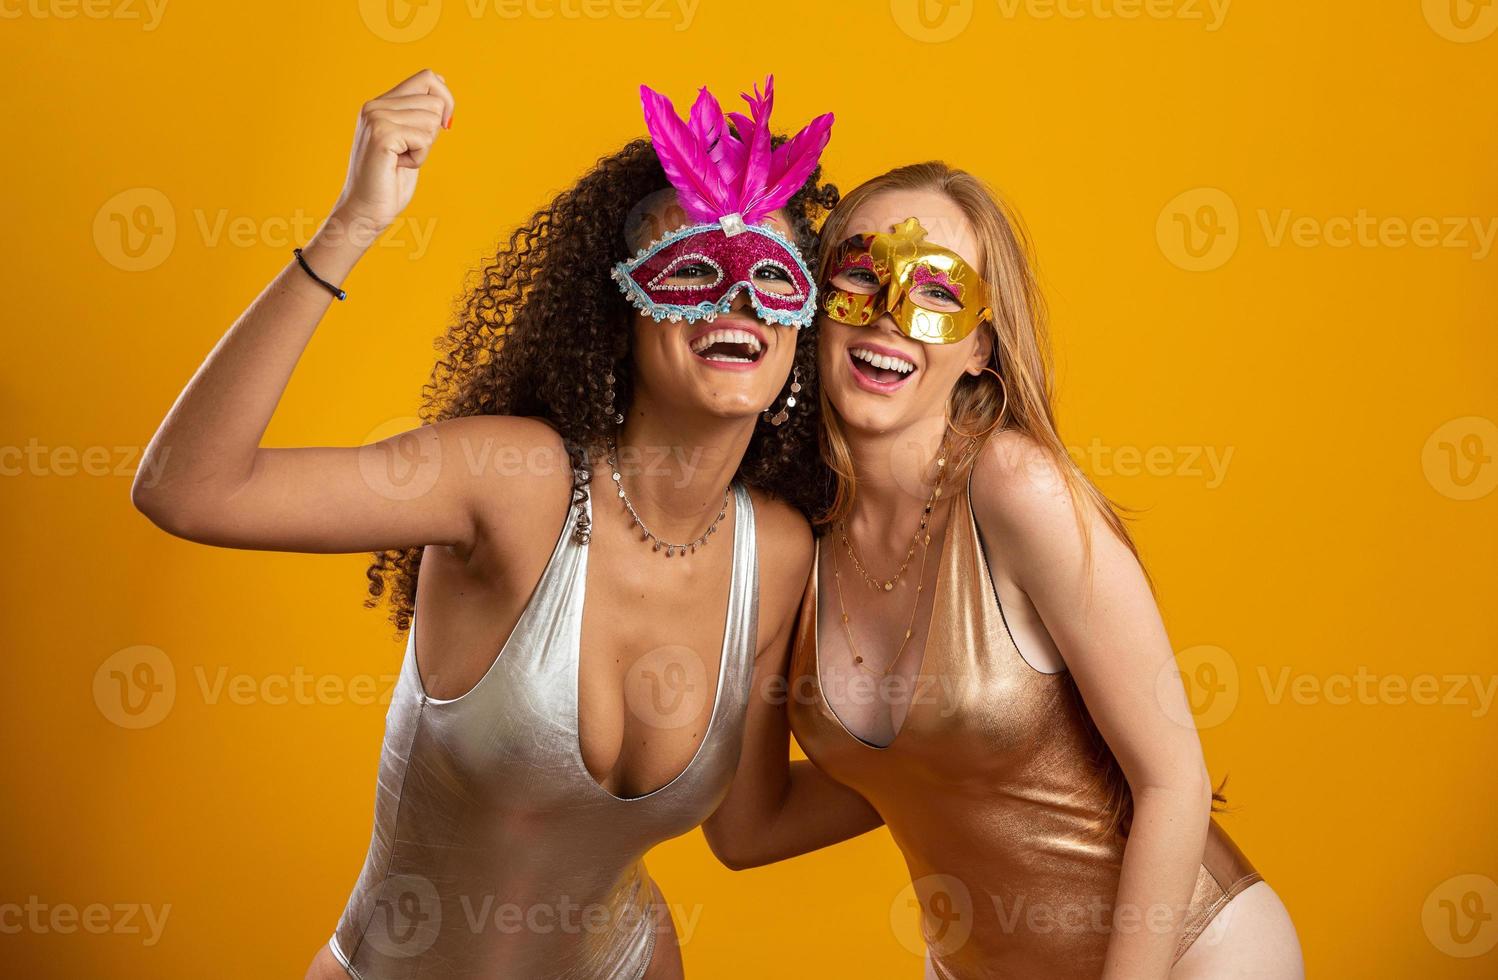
(936, 298)
(774, 278)
(857, 280)
(858, 276)
(690, 271)
(932, 290)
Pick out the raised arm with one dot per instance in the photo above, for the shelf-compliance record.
(205, 475)
(777, 808)
(1106, 625)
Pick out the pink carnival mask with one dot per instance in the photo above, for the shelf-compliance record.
(728, 180)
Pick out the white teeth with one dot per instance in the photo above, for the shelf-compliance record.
(885, 361)
(727, 337)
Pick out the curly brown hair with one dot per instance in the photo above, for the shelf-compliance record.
(544, 324)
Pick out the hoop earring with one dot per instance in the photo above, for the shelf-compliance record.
(779, 418)
(997, 418)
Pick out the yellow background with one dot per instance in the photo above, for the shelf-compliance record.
(1340, 377)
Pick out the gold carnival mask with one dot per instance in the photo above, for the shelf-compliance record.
(929, 291)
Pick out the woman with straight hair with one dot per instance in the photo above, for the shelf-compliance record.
(979, 655)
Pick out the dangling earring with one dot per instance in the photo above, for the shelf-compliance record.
(608, 400)
(997, 418)
(778, 419)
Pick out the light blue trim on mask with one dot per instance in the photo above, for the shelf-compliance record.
(675, 312)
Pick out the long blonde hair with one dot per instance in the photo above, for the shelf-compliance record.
(1021, 356)
(1021, 349)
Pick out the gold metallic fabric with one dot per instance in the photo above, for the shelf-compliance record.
(991, 791)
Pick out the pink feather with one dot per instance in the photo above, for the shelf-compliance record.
(729, 156)
(756, 169)
(722, 148)
(706, 119)
(760, 106)
(794, 160)
(699, 187)
(756, 173)
(718, 170)
(743, 127)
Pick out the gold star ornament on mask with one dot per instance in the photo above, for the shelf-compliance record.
(929, 291)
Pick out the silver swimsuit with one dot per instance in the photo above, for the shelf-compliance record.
(495, 852)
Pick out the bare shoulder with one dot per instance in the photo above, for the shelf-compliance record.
(1039, 512)
(485, 434)
(1019, 487)
(518, 470)
(786, 548)
(784, 534)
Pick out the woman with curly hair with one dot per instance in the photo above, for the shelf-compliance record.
(538, 745)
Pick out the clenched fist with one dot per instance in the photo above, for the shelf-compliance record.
(393, 138)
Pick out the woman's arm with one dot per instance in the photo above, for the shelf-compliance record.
(776, 808)
(211, 481)
(1105, 622)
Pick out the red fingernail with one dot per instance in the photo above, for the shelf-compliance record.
(449, 123)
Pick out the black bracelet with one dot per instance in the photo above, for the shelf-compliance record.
(317, 278)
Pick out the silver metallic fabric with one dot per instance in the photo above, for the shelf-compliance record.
(495, 852)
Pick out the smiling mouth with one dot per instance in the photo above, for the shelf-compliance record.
(884, 370)
(728, 346)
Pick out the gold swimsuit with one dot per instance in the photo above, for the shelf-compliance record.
(990, 791)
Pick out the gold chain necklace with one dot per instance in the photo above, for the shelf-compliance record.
(837, 577)
(922, 538)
